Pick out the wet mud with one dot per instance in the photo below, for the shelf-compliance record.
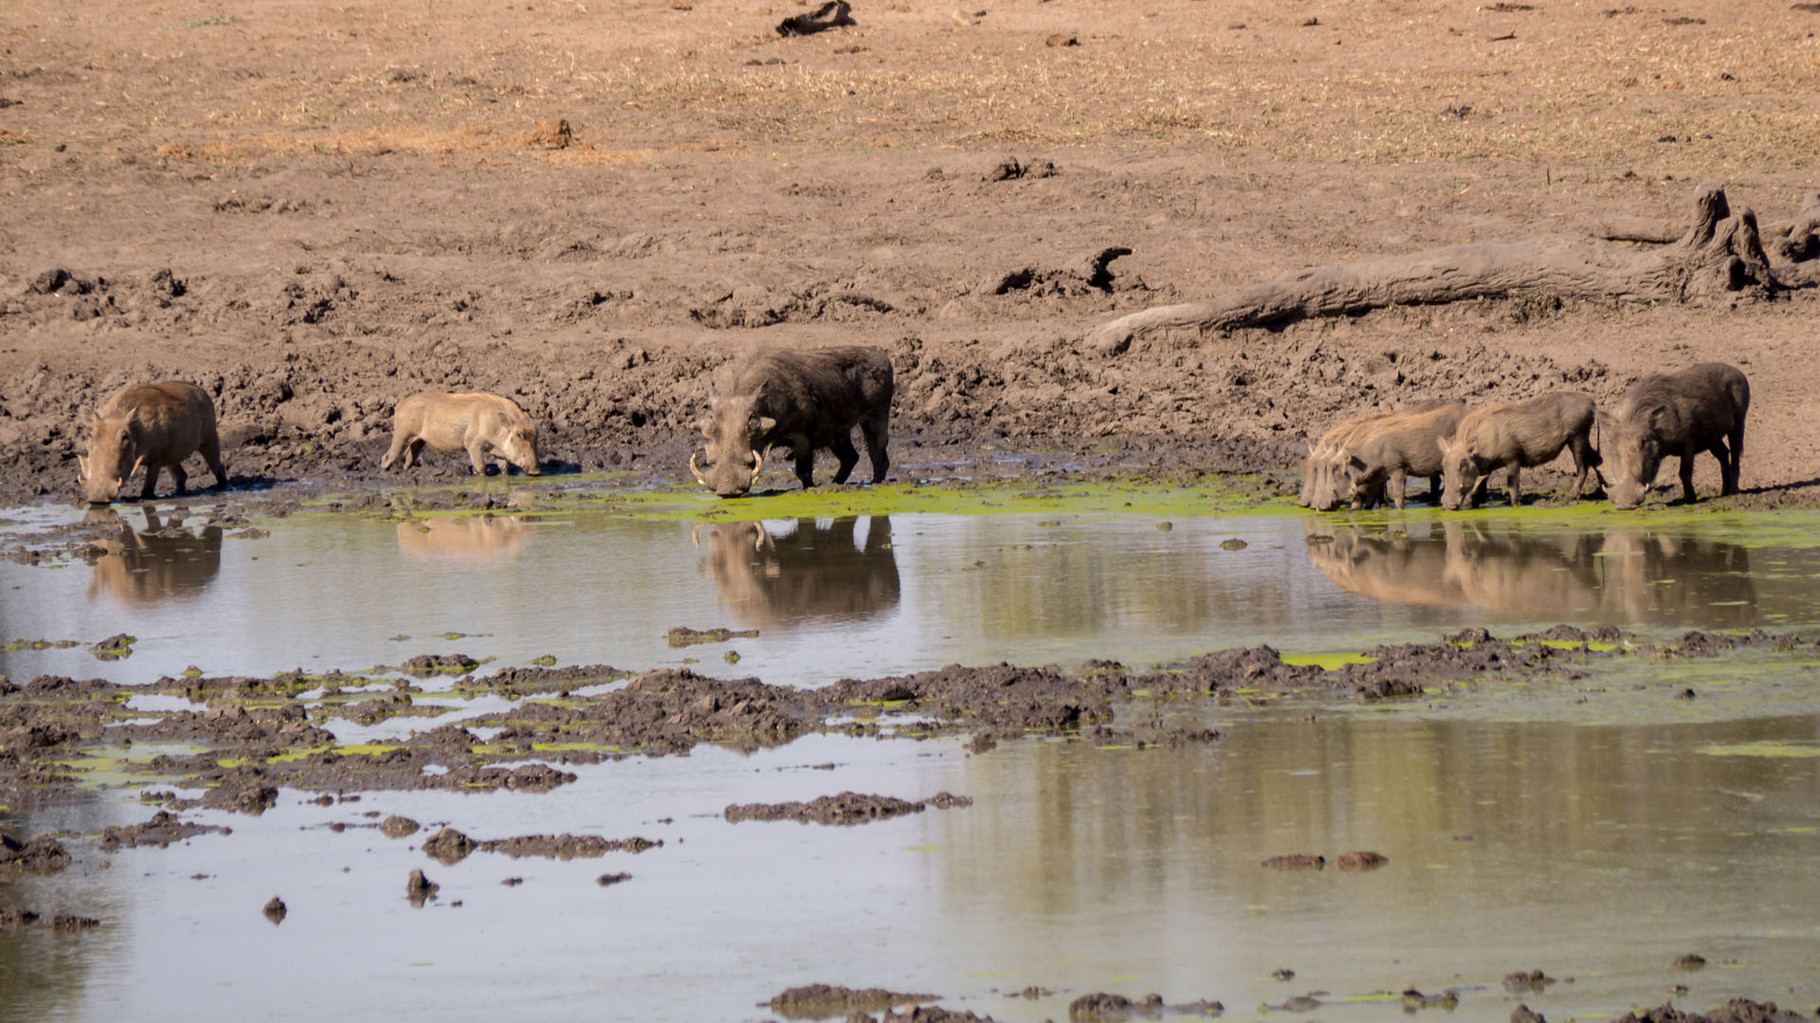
(846, 808)
(256, 736)
(449, 846)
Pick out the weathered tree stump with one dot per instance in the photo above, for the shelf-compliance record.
(1720, 254)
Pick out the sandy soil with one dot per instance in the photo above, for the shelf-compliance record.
(313, 210)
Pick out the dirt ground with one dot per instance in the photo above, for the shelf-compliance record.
(316, 209)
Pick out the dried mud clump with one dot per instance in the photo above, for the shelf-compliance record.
(162, 830)
(1532, 980)
(682, 635)
(847, 808)
(1737, 1010)
(398, 827)
(1101, 1006)
(448, 846)
(669, 712)
(425, 665)
(1297, 861)
(829, 1000)
(39, 854)
(1360, 861)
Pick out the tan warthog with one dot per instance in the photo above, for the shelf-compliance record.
(476, 423)
(1519, 435)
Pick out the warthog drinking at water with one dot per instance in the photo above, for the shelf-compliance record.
(151, 425)
(1520, 435)
(802, 400)
(1699, 409)
(1380, 458)
(1320, 489)
(475, 423)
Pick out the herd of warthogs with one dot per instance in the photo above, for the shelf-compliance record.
(1365, 461)
(808, 399)
(801, 400)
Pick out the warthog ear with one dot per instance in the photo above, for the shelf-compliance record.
(1354, 462)
(765, 423)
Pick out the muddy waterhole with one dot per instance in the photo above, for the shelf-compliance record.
(1597, 826)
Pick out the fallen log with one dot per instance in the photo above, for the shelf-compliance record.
(1721, 254)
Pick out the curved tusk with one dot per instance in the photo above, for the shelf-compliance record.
(695, 534)
(758, 466)
(138, 463)
(699, 478)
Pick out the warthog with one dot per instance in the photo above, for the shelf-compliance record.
(1385, 453)
(1699, 409)
(802, 399)
(1519, 435)
(1320, 488)
(151, 425)
(476, 423)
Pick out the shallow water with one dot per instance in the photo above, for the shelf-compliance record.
(875, 595)
(1594, 828)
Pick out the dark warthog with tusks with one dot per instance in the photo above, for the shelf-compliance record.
(1701, 408)
(801, 399)
(152, 425)
(1520, 435)
(1376, 463)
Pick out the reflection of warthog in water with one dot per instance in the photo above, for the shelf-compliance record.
(1677, 580)
(813, 571)
(479, 538)
(163, 560)
(1620, 576)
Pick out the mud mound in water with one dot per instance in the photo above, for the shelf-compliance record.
(162, 830)
(846, 808)
(814, 1000)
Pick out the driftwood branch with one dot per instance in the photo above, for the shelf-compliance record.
(1720, 253)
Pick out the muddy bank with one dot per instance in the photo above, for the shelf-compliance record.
(259, 736)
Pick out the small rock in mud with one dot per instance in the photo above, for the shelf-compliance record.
(398, 827)
(1685, 694)
(1284, 974)
(682, 635)
(1297, 861)
(607, 880)
(439, 664)
(163, 829)
(1534, 980)
(448, 846)
(1298, 1003)
(830, 1000)
(275, 910)
(419, 888)
(1690, 961)
(513, 882)
(1103, 1006)
(1413, 1000)
(1737, 1010)
(1524, 1014)
(115, 647)
(1233, 544)
(844, 809)
(1361, 860)
(39, 854)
